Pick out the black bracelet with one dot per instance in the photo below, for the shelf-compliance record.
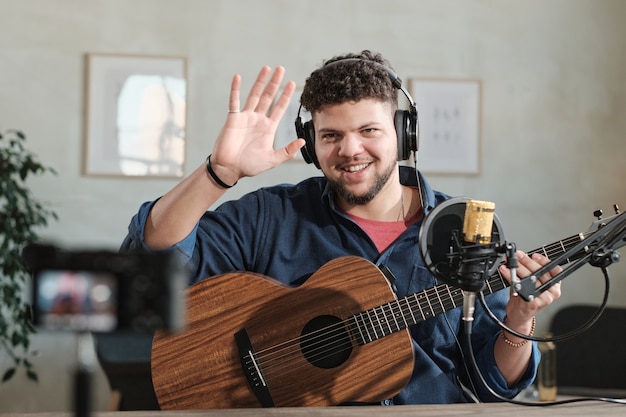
(214, 175)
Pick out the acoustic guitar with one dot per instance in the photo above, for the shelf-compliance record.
(342, 336)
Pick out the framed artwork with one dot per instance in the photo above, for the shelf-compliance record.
(449, 125)
(286, 131)
(136, 110)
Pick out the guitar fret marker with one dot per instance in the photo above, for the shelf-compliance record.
(394, 318)
(430, 306)
(385, 321)
(401, 313)
(419, 304)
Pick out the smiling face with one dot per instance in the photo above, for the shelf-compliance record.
(356, 145)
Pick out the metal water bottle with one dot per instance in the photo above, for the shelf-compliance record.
(546, 373)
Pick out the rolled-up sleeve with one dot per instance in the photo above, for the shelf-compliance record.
(134, 240)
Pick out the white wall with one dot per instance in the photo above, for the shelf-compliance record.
(552, 73)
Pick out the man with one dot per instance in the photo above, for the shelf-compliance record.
(363, 205)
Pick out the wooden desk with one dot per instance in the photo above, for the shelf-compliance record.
(584, 409)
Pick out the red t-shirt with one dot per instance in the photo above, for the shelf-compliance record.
(384, 233)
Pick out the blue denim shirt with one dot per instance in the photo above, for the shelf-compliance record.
(287, 232)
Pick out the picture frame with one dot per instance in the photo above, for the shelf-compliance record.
(136, 112)
(449, 113)
(286, 130)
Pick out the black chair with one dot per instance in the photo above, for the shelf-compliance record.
(125, 360)
(593, 363)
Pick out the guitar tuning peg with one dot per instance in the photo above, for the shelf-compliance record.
(616, 208)
(598, 214)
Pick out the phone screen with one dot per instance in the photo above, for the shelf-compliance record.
(76, 300)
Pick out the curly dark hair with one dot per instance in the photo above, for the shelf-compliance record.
(349, 77)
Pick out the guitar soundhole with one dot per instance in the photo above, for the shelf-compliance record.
(325, 342)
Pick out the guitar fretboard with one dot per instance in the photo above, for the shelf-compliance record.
(378, 322)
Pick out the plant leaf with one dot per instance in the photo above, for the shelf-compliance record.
(32, 376)
(8, 374)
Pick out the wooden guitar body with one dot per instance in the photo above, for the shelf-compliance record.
(301, 363)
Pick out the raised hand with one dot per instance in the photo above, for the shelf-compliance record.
(245, 145)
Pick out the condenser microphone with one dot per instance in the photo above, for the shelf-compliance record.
(476, 252)
(459, 243)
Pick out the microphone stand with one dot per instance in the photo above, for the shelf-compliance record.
(599, 250)
(475, 264)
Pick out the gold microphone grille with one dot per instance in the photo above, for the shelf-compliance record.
(478, 221)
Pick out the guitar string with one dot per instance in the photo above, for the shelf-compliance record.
(349, 346)
(323, 349)
(455, 295)
(325, 332)
(324, 346)
(342, 324)
(329, 349)
(375, 324)
(325, 353)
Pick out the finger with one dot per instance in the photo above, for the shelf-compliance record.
(553, 290)
(270, 90)
(283, 101)
(522, 270)
(292, 149)
(543, 261)
(548, 296)
(531, 263)
(257, 89)
(235, 91)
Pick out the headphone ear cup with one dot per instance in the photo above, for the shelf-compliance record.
(309, 131)
(414, 129)
(406, 130)
(400, 122)
(300, 133)
(306, 131)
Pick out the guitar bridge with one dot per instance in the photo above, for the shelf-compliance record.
(252, 369)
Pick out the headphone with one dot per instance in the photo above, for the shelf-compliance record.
(405, 121)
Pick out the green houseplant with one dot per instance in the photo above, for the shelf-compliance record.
(20, 217)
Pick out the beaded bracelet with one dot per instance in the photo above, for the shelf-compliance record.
(522, 343)
(213, 175)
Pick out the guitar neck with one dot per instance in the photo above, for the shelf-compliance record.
(378, 322)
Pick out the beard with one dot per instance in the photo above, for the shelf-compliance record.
(361, 199)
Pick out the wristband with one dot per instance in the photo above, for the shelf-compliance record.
(213, 175)
(522, 343)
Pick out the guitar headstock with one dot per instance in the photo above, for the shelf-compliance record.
(597, 246)
(601, 222)
(611, 233)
